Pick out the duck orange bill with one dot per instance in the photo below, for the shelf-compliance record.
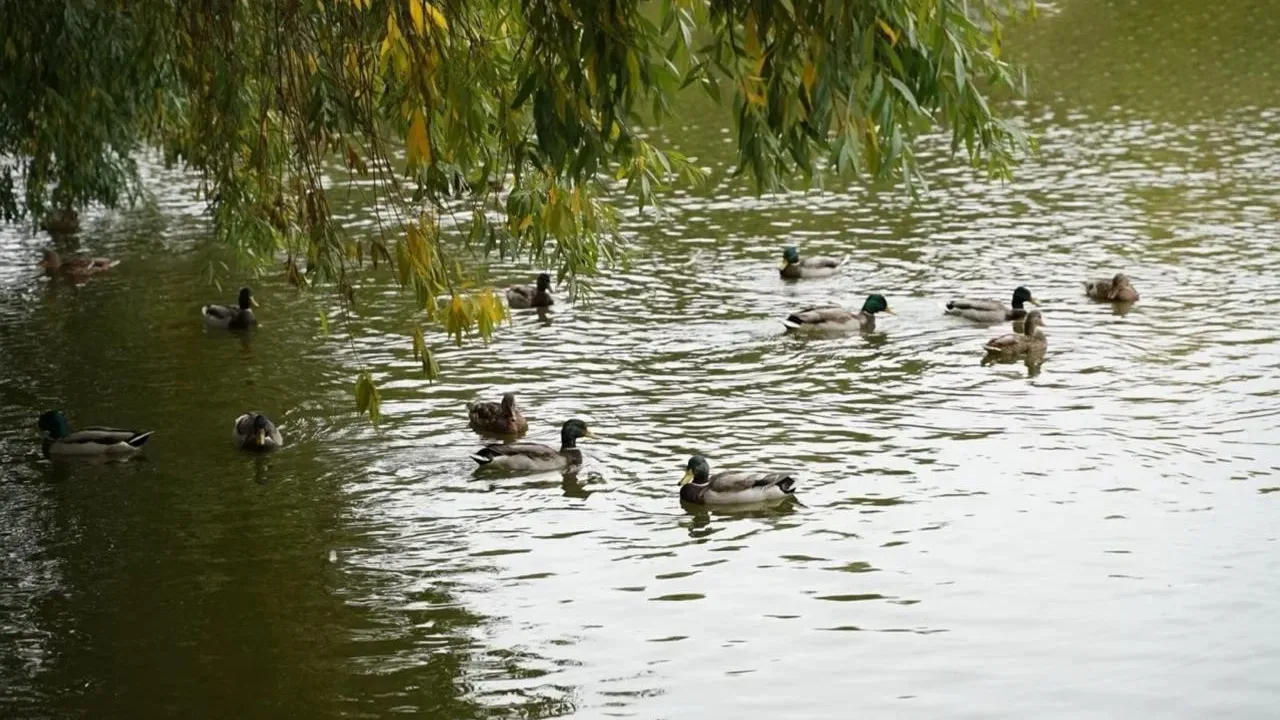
(688, 477)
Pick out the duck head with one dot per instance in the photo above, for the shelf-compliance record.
(790, 255)
(697, 471)
(875, 304)
(54, 423)
(1022, 295)
(571, 431)
(246, 300)
(544, 282)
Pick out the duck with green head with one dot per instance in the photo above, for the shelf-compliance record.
(521, 297)
(536, 456)
(255, 432)
(1017, 345)
(233, 317)
(794, 267)
(1118, 289)
(992, 311)
(700, 487)
(834, 319)
(60, 440)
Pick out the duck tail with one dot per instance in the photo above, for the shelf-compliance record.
(787, 485)
(140, 439)
(843, 261)
(792, 322)
(481, 459)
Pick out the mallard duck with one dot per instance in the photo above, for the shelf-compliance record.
(1015, 345)
(232, 317)
(992, 311)
(731, 488)
(836, 319)
(1117, 289)
(74, 266)
(811, 267)
(520, 297)
(60, 440)
(254, 431)
(535, 456)
(503, 418)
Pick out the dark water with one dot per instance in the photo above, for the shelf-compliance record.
(1097, 539)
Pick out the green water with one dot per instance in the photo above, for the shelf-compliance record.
(1095, 539)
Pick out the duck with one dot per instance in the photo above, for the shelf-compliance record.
(234, 317)
(1016, 345)
(1117, 289)
(793, 267)
(502, 418)
(992, 311)
(836, 319)
(76, 267)
(520, 297)
(255, 431)
(60, 440)
(536, 456)
(700, 487)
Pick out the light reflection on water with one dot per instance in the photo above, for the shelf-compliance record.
(968, 541)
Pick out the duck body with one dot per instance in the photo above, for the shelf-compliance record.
(794, 267)
(1117, 289)
(1015, 345)
(834, 319)
(536, 456)
(521, 297)
(232, 317)
(60, 441)
(255, 432)
(700, 487)
(992, 311)
(75, 266)
(502, 418)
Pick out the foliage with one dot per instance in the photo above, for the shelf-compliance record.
(506, 124)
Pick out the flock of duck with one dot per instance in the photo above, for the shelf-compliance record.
(504, 420)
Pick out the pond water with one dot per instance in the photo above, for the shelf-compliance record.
(1096, 538)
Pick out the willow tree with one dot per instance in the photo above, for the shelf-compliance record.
(480, 125)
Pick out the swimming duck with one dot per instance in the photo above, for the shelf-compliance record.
(60, 440)
(729, 488)
(1117, 289)
(236, 317)
(520, 297)
(811, 267)
(835, 319)
(503, 418)
(254, 431)
(992, 311)
(75, 267)
(1014, 345)
(535, 456)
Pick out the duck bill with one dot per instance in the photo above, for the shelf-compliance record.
(253, 301)
(1034, 301)
(890, 311)
(783, 265)
(688, 478)
(261, 438)
(588, 434)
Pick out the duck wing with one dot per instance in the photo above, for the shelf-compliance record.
(521, 296)
(732, 482)
(220, 312)
(533, 451)
(1005, 342)
(823, 262)
(819, 315)
(105, 436)
(962, 304)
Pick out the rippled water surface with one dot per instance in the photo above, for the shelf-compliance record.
(1092, 538)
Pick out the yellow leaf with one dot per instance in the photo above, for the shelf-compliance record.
(436, 17)
(418, 143)
(415, 14)
(888, 31)
(810, 75)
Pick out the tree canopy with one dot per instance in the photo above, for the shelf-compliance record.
(516, 121)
